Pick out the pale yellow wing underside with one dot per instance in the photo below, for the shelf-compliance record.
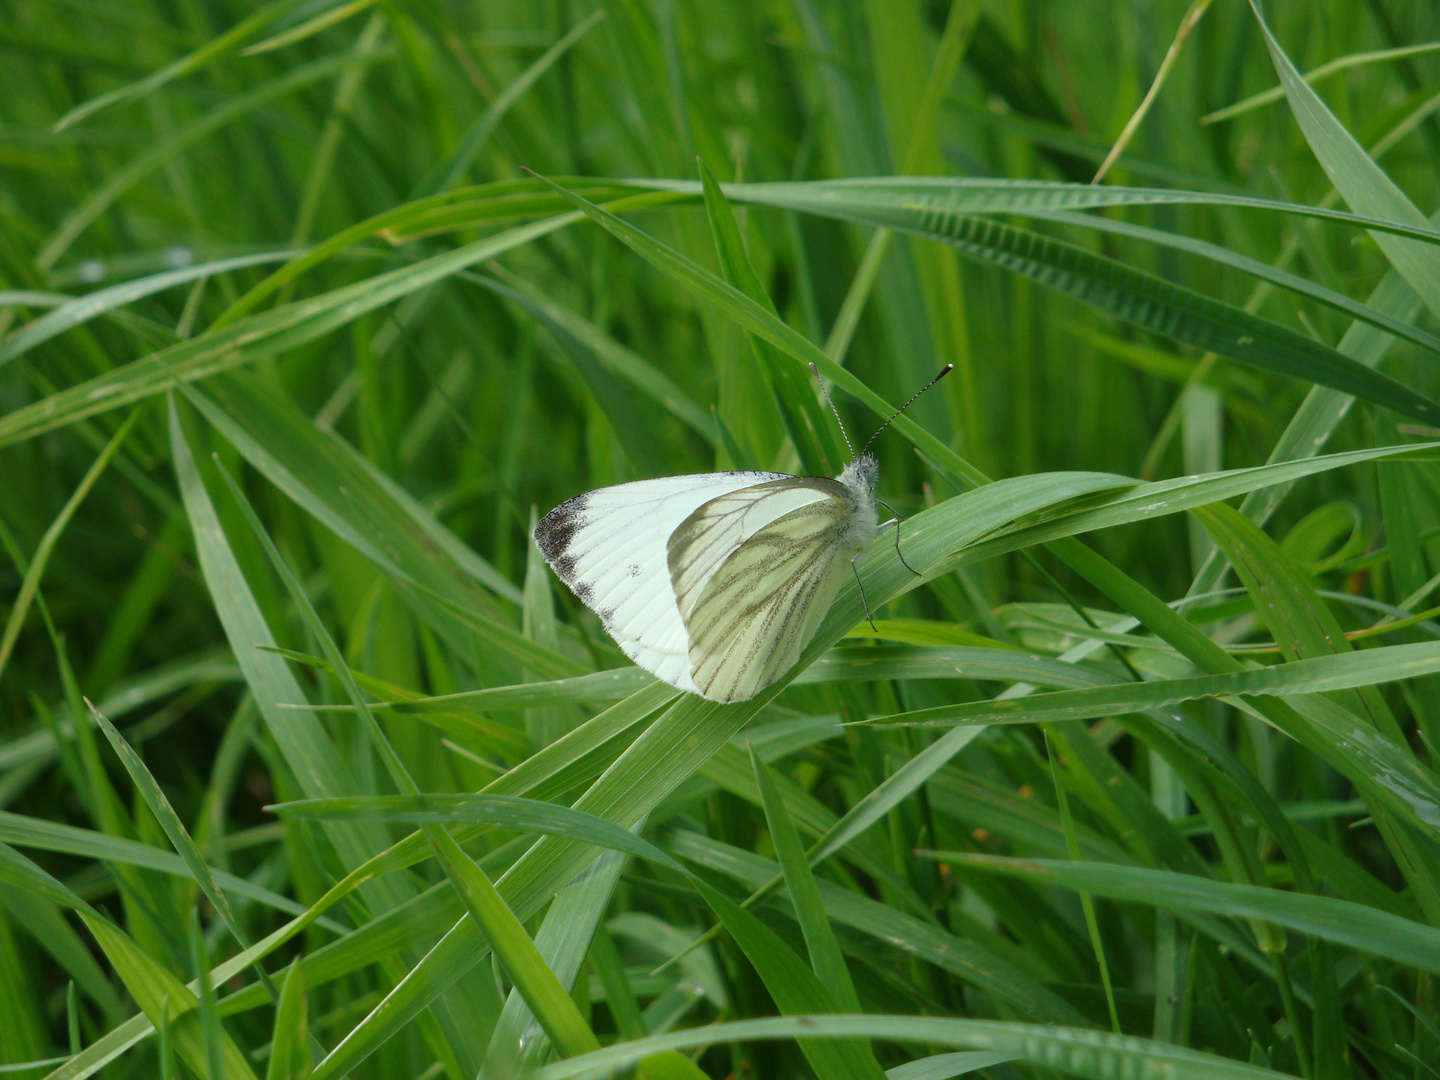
(751, 607)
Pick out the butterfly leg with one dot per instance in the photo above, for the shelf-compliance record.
(861, 586)
(896, 523)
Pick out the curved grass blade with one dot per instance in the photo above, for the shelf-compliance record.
(70, 312)
(1362, 183)
(916, 938)
(533, 978)
(260, 335)
(30, 585)
(210, 51)
(1355, 926)
(1092, 1055)
(929, 204)
(156, 990)
(619, 360)
(179, 836)
(1172, 311)
(1315, 675)
(1255, 268)
(1330, 67)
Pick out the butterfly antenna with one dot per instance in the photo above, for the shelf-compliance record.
(943, 372)
(834, 410)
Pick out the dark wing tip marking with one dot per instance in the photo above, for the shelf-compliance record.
(554, 532)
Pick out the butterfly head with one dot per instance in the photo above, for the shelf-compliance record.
(860, 476)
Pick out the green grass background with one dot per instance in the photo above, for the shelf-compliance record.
(293, 350)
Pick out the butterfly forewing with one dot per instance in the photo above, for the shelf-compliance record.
(754, 572)
(609, 547)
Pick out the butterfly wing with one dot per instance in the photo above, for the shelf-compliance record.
(754, 572)
(609, 547)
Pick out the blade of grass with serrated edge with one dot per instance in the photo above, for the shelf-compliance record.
(672, 748)
(1377, 933)
(154, 989)
(1091, 1055)
(1293, 283)
(1361, 182)
(928, 202)
(547, 999)
(825, 956)
(1173, 311)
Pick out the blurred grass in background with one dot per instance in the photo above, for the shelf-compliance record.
(292, 350)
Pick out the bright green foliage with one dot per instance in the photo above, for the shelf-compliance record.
(308, 310)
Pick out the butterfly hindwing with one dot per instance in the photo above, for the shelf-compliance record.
(610, 547)
(754, 571)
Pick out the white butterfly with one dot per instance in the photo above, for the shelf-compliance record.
(715, 582)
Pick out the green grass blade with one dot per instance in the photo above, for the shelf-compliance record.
(290, 1038)
(262, 335)
(826, 959)
(1076, 1052)
(70, 312)
(84, 215)
(36, 570)
(155, 989)
(1364, 185)
(1351, 925)
(179, 836)
(305, 745)
(1314, 675)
